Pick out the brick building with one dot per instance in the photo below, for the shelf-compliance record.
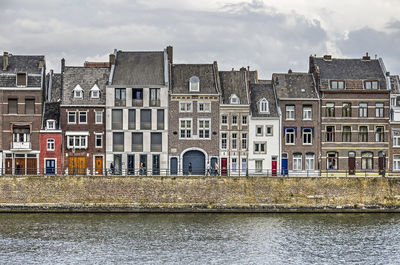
(394, 120)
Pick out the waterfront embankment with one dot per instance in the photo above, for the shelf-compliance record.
(199, 194)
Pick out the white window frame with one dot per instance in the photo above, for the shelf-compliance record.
(79, 89)
(96, 135)
(234, 141)
(204, 129)
(244, 120)
(234, 167)
(262, 130)
(224, 139)
(310, 161)
(79, 117)
(204, 104)
(308, 133)
(260, 144)
(396, 162)
(297, 161)
(185, 105)
(50, 144)
(307, 113)
(234, 120)
(186, 129)
(53, 122)
(95, 88)
(244, 164)
(244, 141)
(68, 114)
(263, 105)
(396, 140)
(226, 119)
(79, 138)
(272, 130)
(258, 166)
(192, 80)
(289, 110)
(98, 113)
(294, 137)
(234, 99)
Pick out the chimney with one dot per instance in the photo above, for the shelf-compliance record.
(366, 57)
(233, 69)
(327, 57)
(112, 59)
(62, 65)
(387, 73)
(290, 71)
(41, 63)
(170, 54)
(5, 61)
(243, 68)
(248, 68)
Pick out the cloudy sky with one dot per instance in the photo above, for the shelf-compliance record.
(270, 36)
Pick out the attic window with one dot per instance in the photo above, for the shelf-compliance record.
(95, 91)
(21, 79)
(371, 84)
(78, 92)
(51, 124)
(194, 84)
(335, 84)
(263, 106)
(234, 99)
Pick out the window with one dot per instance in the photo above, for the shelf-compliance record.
(307, 136)
(116, 118)
(234, 99)
(137, 97)
(346, 134)
(78, 92)
(259, 148)
(29, 106)
(71, 117)
(185, 106)
(13, 106)
(366, 160)
(363, 134)
(82, 117)
(371, 84)
(289, 112)
(392, 102)
(98, 117)
(77, 141)
(307, 112)
(194, 84)
(234, 120)
(331, 160)
(156, 142)
(98, 140)
(160, 119)
(137, 142)
(310, 161)
(379, 134)
(244, 120)
(346, 110)
(263, 106)
(131, 119)
(50, 144)
(363, 110)
(51, 124)
(204, 107)
(154, 97)
(224, 119)
(145, 119)
(259, 166)
(185, 128)
(337, 84)
(204, 128)
(396, 138)
(21, 79)
(379, 110)
(244, 164)
(244, 141)
(234, 164)
(120, 97)
(95, 91)
(269, 131)
(290, 136)
(396, 162)
(330, 133)
(234, 141)
(259, 130)
(118, 142)
(330, 109)
(297, 161)
(223, 141)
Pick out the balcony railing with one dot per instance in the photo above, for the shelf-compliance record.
(155, 103)
(137, 102)
(21, 145)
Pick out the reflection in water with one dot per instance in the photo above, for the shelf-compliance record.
(200, 238)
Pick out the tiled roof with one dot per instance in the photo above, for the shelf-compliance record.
(395, 83)
(258, 92)
(234, 82)
(51, 112)
(22, 63)
(139, 68)
(55, 86)
(181, 73)
(294, 85)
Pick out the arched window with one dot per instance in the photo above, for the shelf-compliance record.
(78, 91)
(194, 84)
(263, 106)
(95, 91)
(234, 99)
(366, 160)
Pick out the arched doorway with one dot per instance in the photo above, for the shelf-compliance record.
(198, 160)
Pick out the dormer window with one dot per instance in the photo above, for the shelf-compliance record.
(194, 84)
(263, 106)
(21, 79)
(78, 92)
(95, 91)
(335, 84)
(51, 124)
(234, 99)
(371, 84)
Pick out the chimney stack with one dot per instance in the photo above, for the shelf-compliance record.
(112, 59)
(5, 61)
(62, 65)
(366, 57)
(243, 68)
(170, 54)
(327, 57)
(290, 71)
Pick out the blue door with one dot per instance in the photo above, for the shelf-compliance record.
(50, 167)
(194, 163)
(174, 166)
(284, 165)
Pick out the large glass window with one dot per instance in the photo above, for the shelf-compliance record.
(346, 134)
(310, 161)
(160, 119)
(366, 160)
(132, 119)
(156, 142)
(185, 106)
(99, 117)
(260, 148)
(204, 128)
(297, 157)
(185, 128)
(154, 97)
(204, 107)
(137, 142)
(77, 141)
(116, 119)
(145, 119)
(118, 142)
(120, 97)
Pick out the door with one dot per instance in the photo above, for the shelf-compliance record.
(8, 166)
(194, 163)
(381, 163)
(156, 165)
(131, 164)
(77, 165)
(50, 167)
(143, 165)
(98, 165)
(274, 165)
(31, 165)
(284, 165)
(352, 163)
(174, 166)
(212, 165)
(224, 166)
(117, 164)
(19, 166)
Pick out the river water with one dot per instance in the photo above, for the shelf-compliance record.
(200, 238)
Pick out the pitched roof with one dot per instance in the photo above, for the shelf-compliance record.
(22, 63)
(86, 77)
(294, 85)
(51, 112)
(139, 68)
(234, 82)
(395, 83)
(207, 73)
(258, 92)
(55, 86)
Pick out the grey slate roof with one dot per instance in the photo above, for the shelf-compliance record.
(258, 92)
(395, 83)
(51, 112)
(233, 82)
(351, 69)
(22, 63)
(55, 86)
(139, 68)
(86, 78)
(294, 85)
(181, 73)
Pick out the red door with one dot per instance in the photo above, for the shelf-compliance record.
(274, 166)
(224, 166)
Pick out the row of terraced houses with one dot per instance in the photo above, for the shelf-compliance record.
(142, 113)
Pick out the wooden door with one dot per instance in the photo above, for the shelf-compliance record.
(224, 166)
(98, 164)
(81, 165)
(19, 166)
(31, 165)
(8, 166)
(381, 164)
(352, 163)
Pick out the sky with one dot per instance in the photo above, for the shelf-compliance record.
(269, 36)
